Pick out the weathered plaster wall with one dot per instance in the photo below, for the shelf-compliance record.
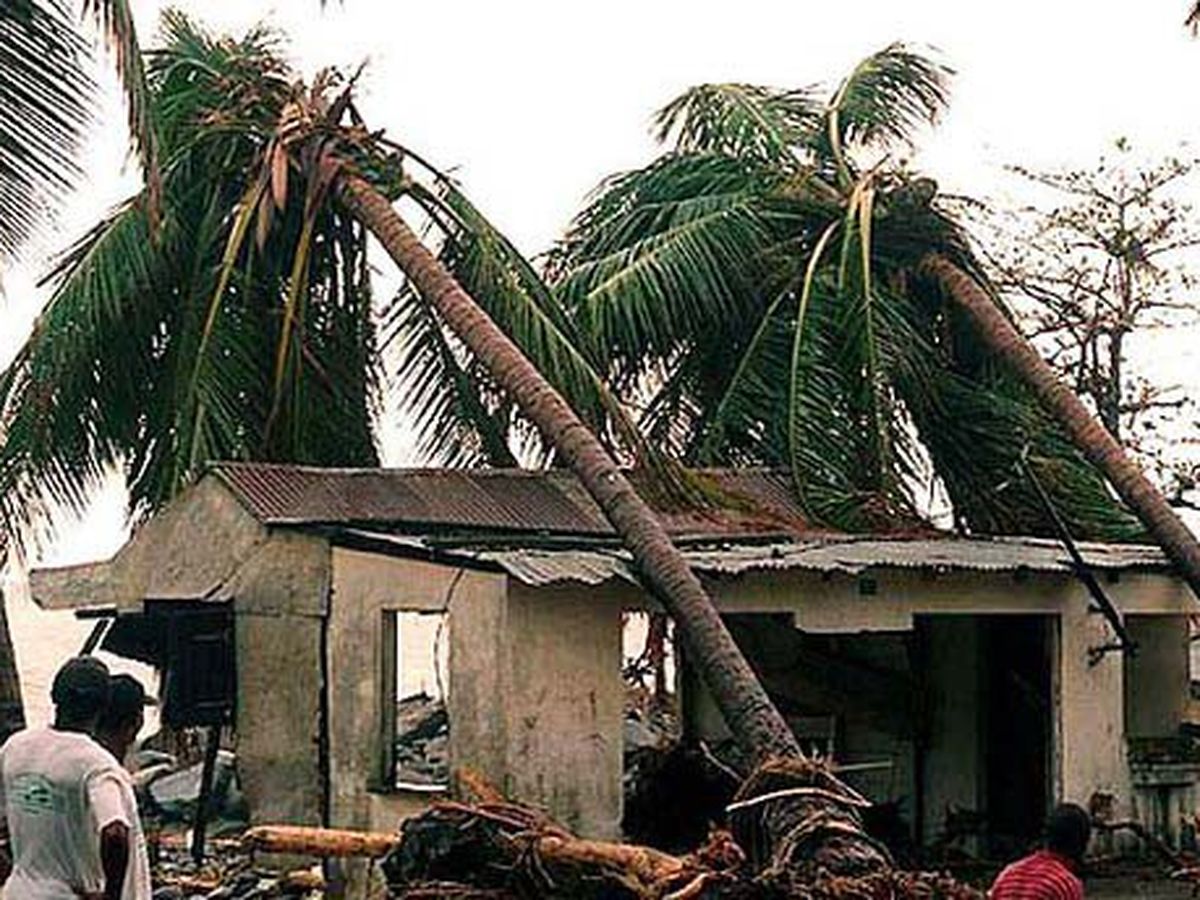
(365, 586)
(187, 551)
(1157, 677)
(1091, 752)
(479, 672)
(535, 694)
(836, 603)
(279, 604)
(564, 705)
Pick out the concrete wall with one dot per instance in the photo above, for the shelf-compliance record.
(535, 691)
(279, 606)
(1091, 753)
(479, 672)
(188, 551)
(564, 705)
(1158, 676)
(836, 604)
(365, 586)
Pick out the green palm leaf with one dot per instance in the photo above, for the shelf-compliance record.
(45, 102)
(741, 121)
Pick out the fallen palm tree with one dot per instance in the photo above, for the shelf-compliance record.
(508, 850)
(322, 842)
(501, 850)
(511, 851)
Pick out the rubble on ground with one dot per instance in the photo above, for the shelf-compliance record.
(227, 873)
(172, 795)
(422, 742)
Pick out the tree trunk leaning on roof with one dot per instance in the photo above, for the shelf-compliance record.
(1091, 437)
(750, 714)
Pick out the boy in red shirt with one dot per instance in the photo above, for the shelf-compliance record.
(1050, 874)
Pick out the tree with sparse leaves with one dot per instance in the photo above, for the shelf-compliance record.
(1096, 265)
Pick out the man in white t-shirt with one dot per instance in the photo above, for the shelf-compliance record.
(68, 807)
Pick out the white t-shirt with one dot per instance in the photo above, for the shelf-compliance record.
(58, 790)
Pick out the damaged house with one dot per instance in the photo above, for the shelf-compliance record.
(953, 676)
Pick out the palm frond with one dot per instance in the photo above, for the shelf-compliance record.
(458, 418)
(45, 105)
(886, 97)
(740, 120)
(662, 254)
(114, 20)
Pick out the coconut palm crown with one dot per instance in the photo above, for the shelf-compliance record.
(759, 290)
(228, 312)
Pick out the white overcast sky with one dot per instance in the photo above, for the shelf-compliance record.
(532, 102)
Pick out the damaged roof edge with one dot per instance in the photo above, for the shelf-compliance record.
(400, 545)
(512, 501)
(600, 562)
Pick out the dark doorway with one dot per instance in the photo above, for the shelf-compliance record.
(1017, 729)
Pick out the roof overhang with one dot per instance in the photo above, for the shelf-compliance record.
(534, 563)
(189, 551)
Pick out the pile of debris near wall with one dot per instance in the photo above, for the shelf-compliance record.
(495, 848)
(227, 872)
(506, 850)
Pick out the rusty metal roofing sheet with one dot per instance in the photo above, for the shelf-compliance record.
(749, 501)
(539, 566)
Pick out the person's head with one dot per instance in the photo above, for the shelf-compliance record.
(80, 693)
(123, 717)
(1068, 830)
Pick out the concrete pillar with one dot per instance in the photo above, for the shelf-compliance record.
(1090, 753)
(280, 605)
(479, 664)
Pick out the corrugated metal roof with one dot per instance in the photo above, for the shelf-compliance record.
(748, 501)
(540, 566)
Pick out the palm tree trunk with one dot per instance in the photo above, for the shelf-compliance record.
(1092, 439)
(787, 793)
(750, 714)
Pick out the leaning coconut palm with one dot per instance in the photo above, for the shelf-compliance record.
(784, 295)
(243, 328)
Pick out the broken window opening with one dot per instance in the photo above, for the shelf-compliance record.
(415, 726)
(648, 668)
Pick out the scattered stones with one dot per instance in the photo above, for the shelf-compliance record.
(422, 741)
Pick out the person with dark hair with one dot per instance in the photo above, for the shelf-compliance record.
(1050, 873)
(69, 826)
(123, 718)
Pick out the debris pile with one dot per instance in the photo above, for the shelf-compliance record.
(228, 873)
(170, 795)
(422, 742)
(499, 849)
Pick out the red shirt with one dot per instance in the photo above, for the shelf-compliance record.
(1040, 876)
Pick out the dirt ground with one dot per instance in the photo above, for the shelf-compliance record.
(1158, 889)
